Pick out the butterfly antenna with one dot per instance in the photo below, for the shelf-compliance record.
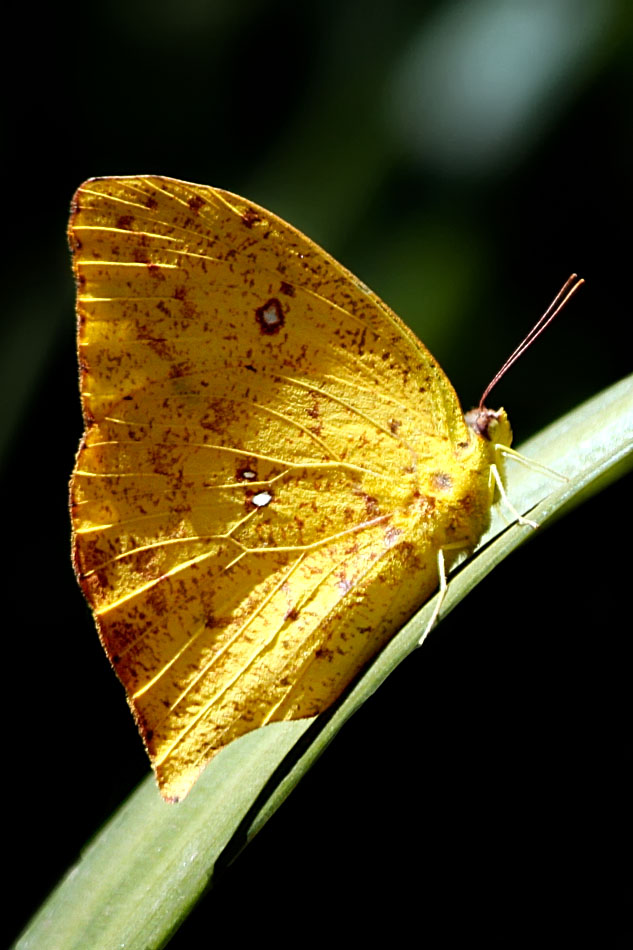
(569, 288)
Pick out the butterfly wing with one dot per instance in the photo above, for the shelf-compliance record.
(254, 508)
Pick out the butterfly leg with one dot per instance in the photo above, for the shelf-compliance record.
(495, 475)
(506, 452)
(441, 595)
(498, 481)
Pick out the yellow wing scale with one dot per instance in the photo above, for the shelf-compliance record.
(271, 462)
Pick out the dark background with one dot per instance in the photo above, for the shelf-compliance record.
(462, 158)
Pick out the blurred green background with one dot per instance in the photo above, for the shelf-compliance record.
(463, 158)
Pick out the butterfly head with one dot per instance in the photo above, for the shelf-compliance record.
(491, 424)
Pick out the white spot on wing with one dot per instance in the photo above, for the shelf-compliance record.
(270, 316)
(262, 498)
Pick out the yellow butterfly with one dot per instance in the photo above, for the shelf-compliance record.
(271, 464)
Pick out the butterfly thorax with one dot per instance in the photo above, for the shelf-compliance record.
(452, 500)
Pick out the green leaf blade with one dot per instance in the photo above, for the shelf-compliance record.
(147, 867)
